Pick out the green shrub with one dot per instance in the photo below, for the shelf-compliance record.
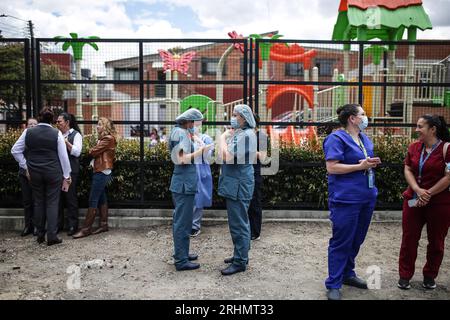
(300, 182)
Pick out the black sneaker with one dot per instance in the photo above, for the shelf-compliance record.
(403, 284)
(195, 233)
(428, 283)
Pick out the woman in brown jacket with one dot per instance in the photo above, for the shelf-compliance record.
(102, 164)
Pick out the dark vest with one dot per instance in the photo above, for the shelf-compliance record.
(41, 143)
(74, 161)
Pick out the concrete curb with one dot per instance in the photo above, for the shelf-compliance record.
(11, 219)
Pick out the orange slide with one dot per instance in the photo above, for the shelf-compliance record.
(292, 54)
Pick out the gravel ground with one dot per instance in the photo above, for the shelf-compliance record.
(289, 262)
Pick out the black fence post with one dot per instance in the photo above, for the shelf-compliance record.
(27, 78)
(141, 118)
(245, 72)
(256, 76)
(361, 74)
(38, 103)
(250, 78)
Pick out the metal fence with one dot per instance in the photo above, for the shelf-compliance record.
(294, 85)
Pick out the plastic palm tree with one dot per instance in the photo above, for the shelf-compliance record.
(265, 46)
(77, 49)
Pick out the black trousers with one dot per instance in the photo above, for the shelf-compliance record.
(46, 192)
(70, 201)
(27, 198)
(255, 209)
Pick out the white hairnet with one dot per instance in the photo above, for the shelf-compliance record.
(246, 112)
(190, 115)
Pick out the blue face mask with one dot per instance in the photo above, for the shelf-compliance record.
(364, 123)
(191, 130)
(234, 123)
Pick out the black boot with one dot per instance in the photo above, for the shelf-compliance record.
(27, 230)
(232, 269)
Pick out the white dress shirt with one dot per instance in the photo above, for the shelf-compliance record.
(19, 147)
(77, 145)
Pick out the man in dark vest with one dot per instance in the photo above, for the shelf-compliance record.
(68, 126)
(48, 168)
(27, 195)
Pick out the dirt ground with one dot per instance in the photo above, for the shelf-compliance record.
(289, 262)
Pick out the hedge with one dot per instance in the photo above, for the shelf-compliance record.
(300, 182)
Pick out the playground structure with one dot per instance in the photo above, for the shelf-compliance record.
(385, 20)
(356, 20)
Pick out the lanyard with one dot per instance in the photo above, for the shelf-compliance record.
(422, 160)
(360, 144)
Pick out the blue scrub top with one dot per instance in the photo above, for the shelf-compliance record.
(184, 178)
(203, 197)
(237, 180)
(351, 187)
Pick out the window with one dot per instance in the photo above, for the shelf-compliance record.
(248, 69)
(325, 66)
(294, 69)
(209, 66)
(126, 74)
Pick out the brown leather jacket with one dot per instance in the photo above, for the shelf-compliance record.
(104, 153)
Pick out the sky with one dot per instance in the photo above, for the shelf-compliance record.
(294, 19)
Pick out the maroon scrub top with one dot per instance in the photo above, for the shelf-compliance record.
(433, 170)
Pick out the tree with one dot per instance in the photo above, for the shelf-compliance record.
(77, 49)
(12, 68)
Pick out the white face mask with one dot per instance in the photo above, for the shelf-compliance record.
(364, 123)
(197, 129)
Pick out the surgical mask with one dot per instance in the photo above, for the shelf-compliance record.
(197, 130)
(234, 123)
(364, 123)
(191, 130)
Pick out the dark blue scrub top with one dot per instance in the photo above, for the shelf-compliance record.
(184, 177)
(351, 187)
(237, 180)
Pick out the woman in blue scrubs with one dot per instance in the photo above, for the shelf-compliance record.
(184, 185)
(351, 196)
(203, 197)
(238, 150)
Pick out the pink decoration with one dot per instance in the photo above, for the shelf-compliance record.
(176, 62)
(238, 45)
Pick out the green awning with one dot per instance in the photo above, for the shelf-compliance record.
(380, 22)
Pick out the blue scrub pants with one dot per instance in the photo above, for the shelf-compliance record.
(350, 225)
(239, 229)
(197, 218)
(181, 227)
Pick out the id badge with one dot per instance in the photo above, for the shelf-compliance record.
(371, 178)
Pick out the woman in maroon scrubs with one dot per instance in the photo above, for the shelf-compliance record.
(426, 201)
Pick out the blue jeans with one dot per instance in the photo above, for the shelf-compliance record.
(97, 197)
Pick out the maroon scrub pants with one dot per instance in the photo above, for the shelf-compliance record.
(437, 219)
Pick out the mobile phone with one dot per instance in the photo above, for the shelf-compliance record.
(412, 203)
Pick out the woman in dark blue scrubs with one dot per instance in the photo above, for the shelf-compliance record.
(351, 196)
(236, 183)
(183, 185)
